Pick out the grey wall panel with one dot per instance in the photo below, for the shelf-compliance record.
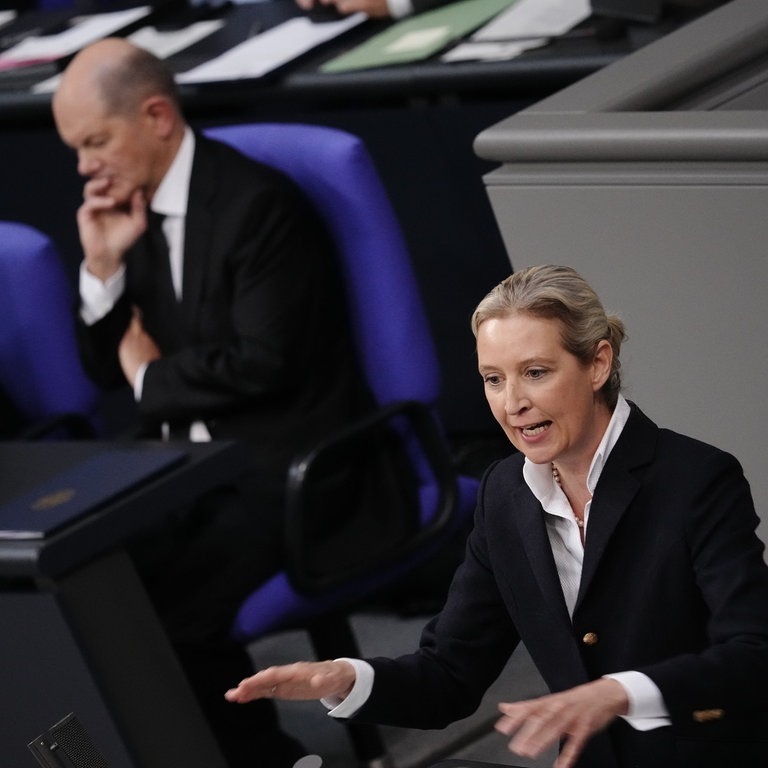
(686, 266)
(665, 211)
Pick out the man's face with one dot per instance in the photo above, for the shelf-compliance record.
(119, 148)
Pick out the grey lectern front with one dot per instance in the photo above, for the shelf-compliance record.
(78, 633)
(651, 178)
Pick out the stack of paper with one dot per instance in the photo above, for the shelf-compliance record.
(269, 50)
(83, 31)
(166, 43)
(162, 44)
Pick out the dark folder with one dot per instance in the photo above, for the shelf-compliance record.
(82, 489)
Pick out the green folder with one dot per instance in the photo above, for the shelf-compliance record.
(419, 36)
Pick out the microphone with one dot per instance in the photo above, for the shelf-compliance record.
(309, 761)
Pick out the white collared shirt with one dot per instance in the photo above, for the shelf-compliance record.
(564, 534)
(170, 200)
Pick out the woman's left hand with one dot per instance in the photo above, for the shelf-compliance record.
(572, 716)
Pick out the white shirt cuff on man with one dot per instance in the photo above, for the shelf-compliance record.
(646, 704)
(98, 297)
(138, 384)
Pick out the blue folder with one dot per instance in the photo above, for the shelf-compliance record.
(82, 489)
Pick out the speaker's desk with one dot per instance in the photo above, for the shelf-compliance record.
(79, 634)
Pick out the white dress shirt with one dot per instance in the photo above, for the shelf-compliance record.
(646, 705)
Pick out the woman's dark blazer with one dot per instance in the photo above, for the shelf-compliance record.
(674, 585)
(260, 345)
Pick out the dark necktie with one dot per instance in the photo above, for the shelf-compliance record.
(156, 235)
(159, 247)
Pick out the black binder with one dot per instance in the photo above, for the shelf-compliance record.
(82, 489)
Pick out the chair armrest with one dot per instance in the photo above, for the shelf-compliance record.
(360, 547)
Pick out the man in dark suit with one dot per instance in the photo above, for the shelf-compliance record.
(623, 556)
(208, 285)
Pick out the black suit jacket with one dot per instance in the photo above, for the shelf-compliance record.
(260, 345)
(674, 585)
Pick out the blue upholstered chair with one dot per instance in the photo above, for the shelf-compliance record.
(399, 361)
(40, 372)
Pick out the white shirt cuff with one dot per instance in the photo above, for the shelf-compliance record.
(359, 694)
(646, 704)
(97, 297)
(399, 8)
(138, 384)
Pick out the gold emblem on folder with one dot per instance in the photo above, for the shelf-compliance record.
(55, 499)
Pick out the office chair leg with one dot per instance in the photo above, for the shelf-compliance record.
(331, 637)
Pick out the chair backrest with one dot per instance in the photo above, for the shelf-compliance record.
(40, 369)
(392, 334)
(336, 172)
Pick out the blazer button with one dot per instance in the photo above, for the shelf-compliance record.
(590, 638)
(707, 715)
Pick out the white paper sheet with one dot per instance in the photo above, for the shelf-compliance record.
(492, 51)
(534, 18)
(165, 44)
(162, 44)
(267, 51)
(84, 30)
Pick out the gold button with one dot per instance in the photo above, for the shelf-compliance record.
(707, 715)
(590, 638)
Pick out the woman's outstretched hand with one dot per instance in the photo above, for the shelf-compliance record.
(301, 681)
(570, 717)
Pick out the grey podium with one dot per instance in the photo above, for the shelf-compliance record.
(651, 178)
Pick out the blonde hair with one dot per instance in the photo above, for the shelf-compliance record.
(560, 293)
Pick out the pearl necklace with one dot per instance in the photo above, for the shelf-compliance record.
(556, 478)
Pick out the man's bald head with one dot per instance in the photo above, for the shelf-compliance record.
(121, 75)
